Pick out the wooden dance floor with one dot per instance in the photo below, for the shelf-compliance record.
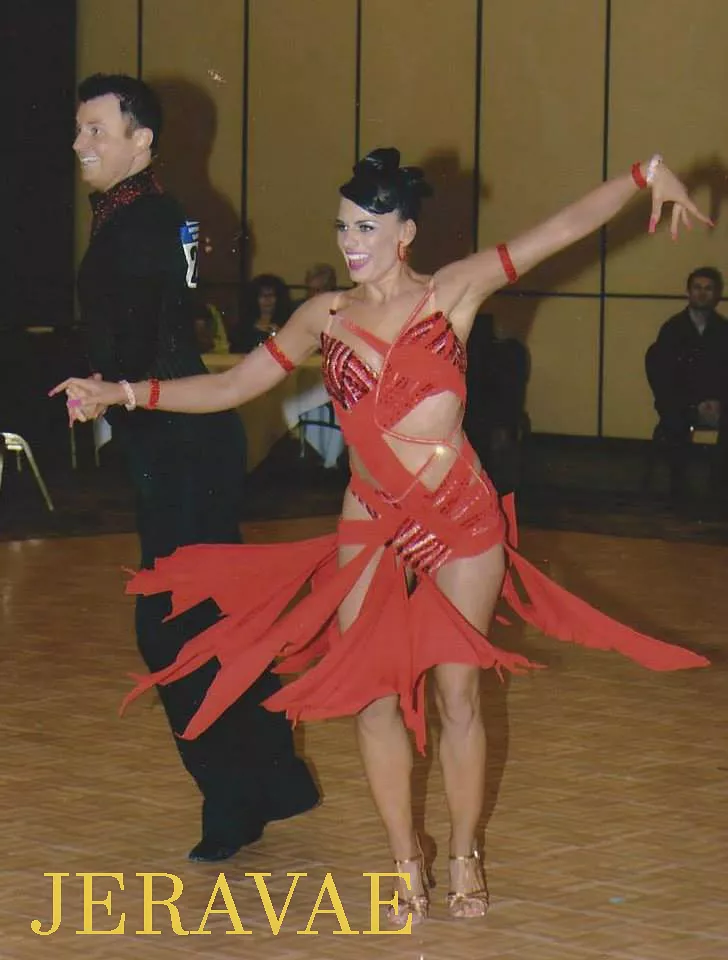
(607, 811)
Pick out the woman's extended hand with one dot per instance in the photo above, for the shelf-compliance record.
(666, 188)
(88, 398)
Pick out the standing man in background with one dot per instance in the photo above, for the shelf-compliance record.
(687, 369)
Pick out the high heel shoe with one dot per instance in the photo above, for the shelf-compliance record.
(415, 905)
(464, 904)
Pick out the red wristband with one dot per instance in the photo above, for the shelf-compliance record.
(638, 176)
(505, 257)
(278, 355)
(153, 394)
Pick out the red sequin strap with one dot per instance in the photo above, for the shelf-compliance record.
(278, 355)
(505, 257)
(638, 176)
(154, 390)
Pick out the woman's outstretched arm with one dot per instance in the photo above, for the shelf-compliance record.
(255, 374)
(478, 276)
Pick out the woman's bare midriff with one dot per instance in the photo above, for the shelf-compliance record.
(471, 583)
(426, 441)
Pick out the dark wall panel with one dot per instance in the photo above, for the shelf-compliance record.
(38, 43)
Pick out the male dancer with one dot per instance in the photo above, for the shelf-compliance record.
(136, 295)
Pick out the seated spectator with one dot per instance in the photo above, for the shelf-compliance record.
(320, 278)
(494, 414)
(687, 369)
(266, 307)
(320, 432)
(210, 330)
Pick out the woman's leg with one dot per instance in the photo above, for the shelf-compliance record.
(473, 585)
(462, 751)
(384, 743)
(387, 756)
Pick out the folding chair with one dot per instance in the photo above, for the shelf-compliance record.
(323, 418)
(14, 443)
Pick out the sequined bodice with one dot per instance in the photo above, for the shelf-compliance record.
(372, 402)
(418, 364)
(346, 377)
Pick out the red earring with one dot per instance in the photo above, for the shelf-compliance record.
(402, 251)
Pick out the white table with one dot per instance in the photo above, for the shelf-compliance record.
(264, 418)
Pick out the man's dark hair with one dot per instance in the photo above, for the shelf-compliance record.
(137, 102)
(708, 273)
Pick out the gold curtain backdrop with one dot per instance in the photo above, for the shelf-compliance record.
(514, 109)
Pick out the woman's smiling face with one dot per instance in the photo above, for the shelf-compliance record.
(369, 241)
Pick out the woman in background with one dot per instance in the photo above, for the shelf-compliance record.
(266, 308)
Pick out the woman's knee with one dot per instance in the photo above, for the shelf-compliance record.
(458, 702)
(379, 717)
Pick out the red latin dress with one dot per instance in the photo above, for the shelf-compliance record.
(399, 633)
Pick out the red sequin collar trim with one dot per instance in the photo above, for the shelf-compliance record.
(104, 205)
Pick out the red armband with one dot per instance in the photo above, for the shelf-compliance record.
(278, 355)
(154, 390)
(638, 176)
(508, 267)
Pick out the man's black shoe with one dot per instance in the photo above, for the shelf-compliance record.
(209, 850)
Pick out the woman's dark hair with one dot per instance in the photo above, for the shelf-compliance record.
(137, 102)
(380, 185)
(267, 281)
(244, 337)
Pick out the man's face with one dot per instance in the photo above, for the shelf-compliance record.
(703, 294)
(107, 149)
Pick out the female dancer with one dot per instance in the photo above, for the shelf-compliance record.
(409, 582)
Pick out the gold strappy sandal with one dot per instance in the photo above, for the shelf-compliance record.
(415, 905)
(465, 905)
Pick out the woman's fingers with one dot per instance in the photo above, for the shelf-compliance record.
(675, 220)
(689, 205)
(656, 214)
(79, 387)
(81, 398)
(669, 189)
(85, 390)
(681, 213)
(60, 387)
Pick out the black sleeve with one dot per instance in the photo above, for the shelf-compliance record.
(663, 365)
(669, 337)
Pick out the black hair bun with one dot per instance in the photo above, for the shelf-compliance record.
(380, 185)
(414, 181)
(382, 162)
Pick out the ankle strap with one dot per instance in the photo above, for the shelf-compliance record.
(416, 859)
(475, 855)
